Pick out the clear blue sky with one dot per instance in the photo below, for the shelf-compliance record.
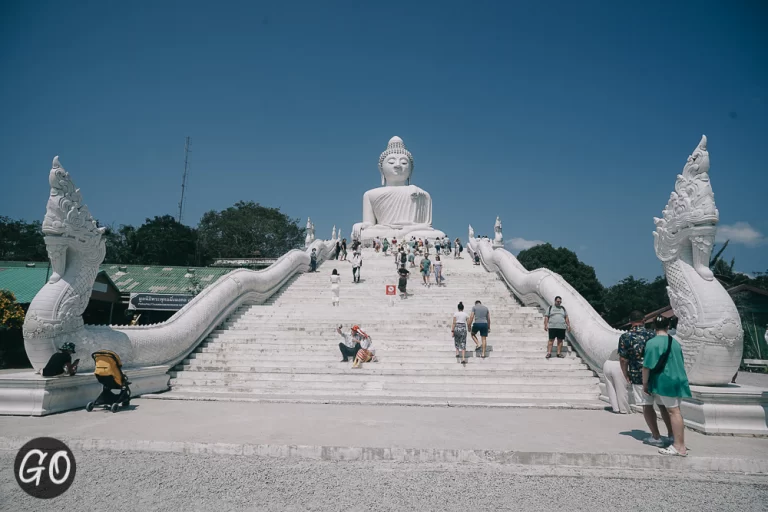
(570, 120)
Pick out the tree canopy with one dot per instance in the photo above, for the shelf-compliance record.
(565, 262)
(21, 241)
(248, 229)
(630, 294)
(164, 241)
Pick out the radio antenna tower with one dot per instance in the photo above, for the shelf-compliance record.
(184, 179)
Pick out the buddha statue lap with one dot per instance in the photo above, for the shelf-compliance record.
(397, 209)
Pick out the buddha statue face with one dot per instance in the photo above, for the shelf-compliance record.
(395, 164)
(396, 169)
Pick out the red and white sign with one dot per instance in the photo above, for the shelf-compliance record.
(391, 289)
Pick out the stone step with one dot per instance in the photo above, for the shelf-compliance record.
(406, 338)
(381, 369)
(323, 344)
(493, 359)
(350, 377)
(540, 402)
(312, 350)
(287, 348)
(383, 388)
(321, 310)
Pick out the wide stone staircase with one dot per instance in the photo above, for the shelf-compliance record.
(286, 350)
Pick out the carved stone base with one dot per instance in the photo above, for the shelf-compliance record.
(29, 394)
(732, 409)
(728, 410)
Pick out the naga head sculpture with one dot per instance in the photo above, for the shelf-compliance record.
(688, 224)
(68, 223)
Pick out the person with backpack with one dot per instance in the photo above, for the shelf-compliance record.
(556, 322)
(403, 258)
(664, 379)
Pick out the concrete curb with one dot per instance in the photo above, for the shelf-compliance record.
(418, 455)
(394, 402)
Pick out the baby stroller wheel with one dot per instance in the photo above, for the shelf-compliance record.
(114, 407)
(89, 406)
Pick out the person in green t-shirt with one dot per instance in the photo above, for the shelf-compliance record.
(669, 385)
(426, 267)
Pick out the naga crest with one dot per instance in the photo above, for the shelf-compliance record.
(66, 215)
(68, 224)
(687, 227)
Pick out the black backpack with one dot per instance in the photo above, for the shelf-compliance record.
(565, 311)
(403, 257)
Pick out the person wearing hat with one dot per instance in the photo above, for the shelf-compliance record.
(351, 344)
(366, 353)
(61, 363)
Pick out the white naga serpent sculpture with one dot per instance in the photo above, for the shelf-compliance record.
(709, 327)
(76, 248)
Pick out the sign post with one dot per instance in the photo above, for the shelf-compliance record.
(391, 291)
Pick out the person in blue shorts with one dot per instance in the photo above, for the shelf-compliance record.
(425, 267)
(480, 318)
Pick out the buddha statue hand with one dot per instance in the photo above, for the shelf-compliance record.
(357, 230)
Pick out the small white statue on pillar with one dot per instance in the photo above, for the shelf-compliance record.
(310, 233)
(471, 232)
(498, 240)
(333, 235)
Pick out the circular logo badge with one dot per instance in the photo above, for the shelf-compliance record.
(45, 468)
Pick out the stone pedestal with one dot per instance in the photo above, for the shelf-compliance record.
(732, 409)
(28, 394)
(727, 410)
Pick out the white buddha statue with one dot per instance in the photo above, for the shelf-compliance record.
(397, 209)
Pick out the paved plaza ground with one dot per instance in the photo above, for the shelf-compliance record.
(259, 456)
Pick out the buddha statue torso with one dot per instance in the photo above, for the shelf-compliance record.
(397, 208)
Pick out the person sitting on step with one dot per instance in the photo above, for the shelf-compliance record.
(61, 363)
(366, 353)
(351, 343)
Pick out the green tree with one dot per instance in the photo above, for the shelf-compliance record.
(161, 241)
(121, 244)
(630, 294)
(565, 262)
(21, 241)
(12, 353)
(248, 229)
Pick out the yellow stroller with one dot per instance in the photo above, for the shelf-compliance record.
(109, 372)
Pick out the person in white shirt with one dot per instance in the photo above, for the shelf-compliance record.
(459, 332)
(351, 344)
(335, 282)
(357, 262)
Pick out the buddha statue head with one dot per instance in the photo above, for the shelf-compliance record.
(395, 164)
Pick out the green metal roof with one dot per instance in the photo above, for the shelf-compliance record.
(156, 279)
(23, 282)
(12, 264)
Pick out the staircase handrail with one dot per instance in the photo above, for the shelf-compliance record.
(590, 334)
